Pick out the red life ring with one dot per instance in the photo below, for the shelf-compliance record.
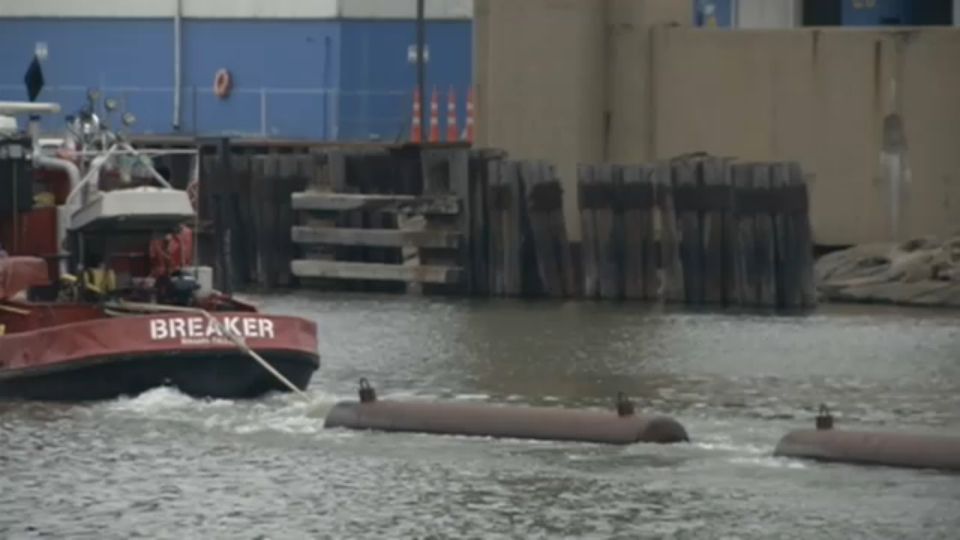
(222, 83)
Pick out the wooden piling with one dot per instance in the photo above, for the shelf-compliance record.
(765, 238)
(545, 210)
(731, 245)
(687, 196)
(512, 230)
(590, 200)
(479, 181)
(785, 254)
(671, 281)
(745, 222)
(716, 204)
(640, 260)
(507, 233)
(609, 230)
(697, 229)
(496, 203)
(558, 227)
(803, 236)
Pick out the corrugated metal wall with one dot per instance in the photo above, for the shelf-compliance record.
(285, 72)
(377, 79)
(308, 78)
(131, 58)
(285, 77)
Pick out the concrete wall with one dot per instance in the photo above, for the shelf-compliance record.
(872, 115)
(755, 14)
(539, 71)
(572, 76)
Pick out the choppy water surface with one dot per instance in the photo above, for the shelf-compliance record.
(162, 465)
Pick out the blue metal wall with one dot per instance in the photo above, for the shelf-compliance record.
(285, 76)
(317, 79)
(129, 57)
(377, 79)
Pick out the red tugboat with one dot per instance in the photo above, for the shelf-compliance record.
(98, 295)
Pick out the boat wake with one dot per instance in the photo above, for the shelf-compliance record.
(283, 413)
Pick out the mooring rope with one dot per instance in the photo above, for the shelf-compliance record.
(237, 340)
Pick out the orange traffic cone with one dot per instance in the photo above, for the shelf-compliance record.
(468, 135)
(452, 134)
(434, 117)
(416, 130)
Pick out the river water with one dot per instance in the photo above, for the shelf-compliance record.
(163, 465)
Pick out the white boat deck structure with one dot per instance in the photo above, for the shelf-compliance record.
(133, 209)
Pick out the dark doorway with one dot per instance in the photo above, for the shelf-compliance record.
(931, 12)
(822, 13)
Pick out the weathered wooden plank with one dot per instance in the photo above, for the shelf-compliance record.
(496, 206)
(344, 202)
(479, 220)
(746, 246)
(685, 182)
(263, 170)
(803, 238)
(671, 266)
(244, 239)
(712, 174)
(318, 179)
(277, 200)
(441, 239)
(449, 176)
(785, 267)
(765, 242)
(544, 195)
(409, 181)
(639, 267)
(557, 224)
(207, 235)
(731, 244)
(375, 271)
(588, 202)
(512, 229)
(609, 223)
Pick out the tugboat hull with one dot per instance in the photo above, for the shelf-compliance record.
(110, 357)
(227, 375)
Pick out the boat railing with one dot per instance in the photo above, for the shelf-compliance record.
(89, 184)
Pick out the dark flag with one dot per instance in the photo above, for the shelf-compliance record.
(34, 79)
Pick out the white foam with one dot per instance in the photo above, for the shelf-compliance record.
(472, 397)
(728, 446)
(163, 399)
(769, 462)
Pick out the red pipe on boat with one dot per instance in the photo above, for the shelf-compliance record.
(622, 426)
(917, 451)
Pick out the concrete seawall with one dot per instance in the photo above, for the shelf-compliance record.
(871, 114)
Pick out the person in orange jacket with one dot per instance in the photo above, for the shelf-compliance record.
(171, 253)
